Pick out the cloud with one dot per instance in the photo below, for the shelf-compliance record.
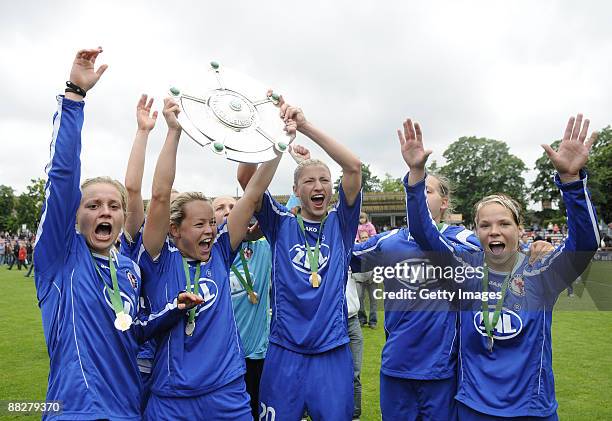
(509, 71)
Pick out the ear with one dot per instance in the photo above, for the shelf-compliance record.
(295, 190)
(174, 231)
(443, 205)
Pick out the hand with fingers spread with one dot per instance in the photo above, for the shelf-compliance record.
(188, 300)
(299, 153)
(170, 111)
(82, 73)
(573, 152)
(146, 120)
(413, 152)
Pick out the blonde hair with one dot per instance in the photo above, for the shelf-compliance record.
(107, 180)
(307, 163)
(445, 190)
(503, 200)
(177, 207)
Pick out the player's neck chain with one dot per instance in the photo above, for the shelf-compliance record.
(491, 323)
(247, 283)
(313, 257)
(190, 327)
(123, 321)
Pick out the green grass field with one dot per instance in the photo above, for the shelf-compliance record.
(582, 346)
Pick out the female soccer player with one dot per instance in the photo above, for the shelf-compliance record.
(308, 364)
(198, 369)
(505, 353)
(88, 293)
(419, 358)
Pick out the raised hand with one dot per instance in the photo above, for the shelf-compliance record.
(146, 120)
(82, 73)
(188, 300)
(170, 111)
(291, 129)
(299, 153)
(411, 145)
(573, 151)
(289, 112)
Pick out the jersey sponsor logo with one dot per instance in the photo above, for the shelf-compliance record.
(267, 413)
(209, 292)
(128, 302)
(517, 286)
(299, 257)
(508, 326)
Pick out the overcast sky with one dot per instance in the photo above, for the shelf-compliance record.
(512, 71)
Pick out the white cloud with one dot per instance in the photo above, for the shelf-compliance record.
(512, 71)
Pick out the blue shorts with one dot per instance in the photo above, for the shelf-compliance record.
(468, 414)
(292, 382)
(229, 402)
(408, 399)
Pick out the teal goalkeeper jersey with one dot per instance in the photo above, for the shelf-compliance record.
(253, 320)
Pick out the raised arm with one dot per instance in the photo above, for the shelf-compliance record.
(572, 257)
(62, 192)
(348, 161)
(158, 220)
(420, 223)
(250, 202)
(135, 167)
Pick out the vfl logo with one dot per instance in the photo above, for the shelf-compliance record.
(299, 257)
(208, 291)
(267, 413)
(508, 326)
(128, 302)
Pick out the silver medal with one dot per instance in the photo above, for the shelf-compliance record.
(189, 328)
(490, 343)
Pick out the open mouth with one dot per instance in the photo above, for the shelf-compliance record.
(205, 245)
(497, 247)
(103, 231)
(317, 200)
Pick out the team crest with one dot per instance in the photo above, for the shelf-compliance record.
(132, 278)
(517, 286)
(248, 253)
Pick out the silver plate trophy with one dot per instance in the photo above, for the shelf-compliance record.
(230, 112)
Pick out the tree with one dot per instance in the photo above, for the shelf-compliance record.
(369, 182)
(390, 184)
(29, 204)
(600, 174)
(543, 187)
(478, 167)
(7, 205)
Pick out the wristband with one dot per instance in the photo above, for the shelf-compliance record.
(75, 89)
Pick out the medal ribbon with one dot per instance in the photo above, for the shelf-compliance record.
(196, 285)
(114, 292)
(313, 258)
(248, 283)
(489, 324)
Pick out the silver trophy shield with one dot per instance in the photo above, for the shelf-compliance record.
(229, 112)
